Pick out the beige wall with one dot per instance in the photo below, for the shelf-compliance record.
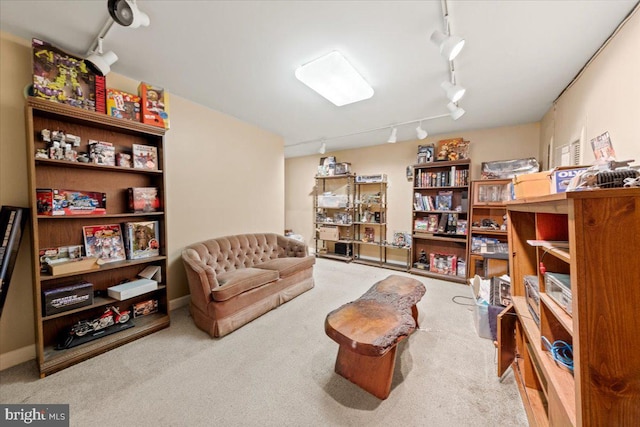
(223, 176)
(606, 97)
(392, 159)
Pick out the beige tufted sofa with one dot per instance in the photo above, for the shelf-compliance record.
(235, 279)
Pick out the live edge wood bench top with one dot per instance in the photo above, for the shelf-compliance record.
(379, 319)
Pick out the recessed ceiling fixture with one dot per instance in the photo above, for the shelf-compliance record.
(333, 77)
(393, 138)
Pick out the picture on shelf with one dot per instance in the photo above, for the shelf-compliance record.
(143, 199)
(142, 239)
(432, 223)
(104, 242)
(369, 235)
(602, 148)
(425, 153)
(145, 157)
(461, 226)
(444, 201)
(400, 239)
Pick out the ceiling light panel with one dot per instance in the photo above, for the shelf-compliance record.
(333, 77)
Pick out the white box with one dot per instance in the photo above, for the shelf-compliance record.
(132, 289)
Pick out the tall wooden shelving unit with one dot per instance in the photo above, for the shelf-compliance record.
(429, 180)
(487, 203)
(602, 228)
(334, 213)
(55, 231)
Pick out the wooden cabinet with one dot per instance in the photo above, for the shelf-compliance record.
(593, 236)
(439, 218)
(66, 230)
(333, 204)
(487, 228)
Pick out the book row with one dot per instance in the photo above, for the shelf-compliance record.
(447, 178)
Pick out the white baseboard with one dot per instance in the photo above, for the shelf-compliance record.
(24, 354)
(16, 357)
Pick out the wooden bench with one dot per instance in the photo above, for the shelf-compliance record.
(369, 328)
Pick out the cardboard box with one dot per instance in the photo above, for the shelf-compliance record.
(70, 202)
(67, 298)
(155, 105)
(123, 105)
(561, 176)
(532, 185)
(329, 233)
(132, 289)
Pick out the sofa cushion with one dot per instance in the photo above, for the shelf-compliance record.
(288, 266)
(235, 282)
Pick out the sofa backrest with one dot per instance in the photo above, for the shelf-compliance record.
(230, 253)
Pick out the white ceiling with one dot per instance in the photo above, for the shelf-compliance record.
(239, 57)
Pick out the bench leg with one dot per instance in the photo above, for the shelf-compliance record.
(414, 313)
(373, 374)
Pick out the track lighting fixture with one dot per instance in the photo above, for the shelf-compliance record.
(421, 133)
(323, 148)
(450, 46)
(393, 138)
(102, 61)
(454, 111)
(454, 92)
(127, 14)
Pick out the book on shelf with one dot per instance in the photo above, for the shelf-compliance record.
(104, 242)
(142, 239)
(442, 225)
(145, 157)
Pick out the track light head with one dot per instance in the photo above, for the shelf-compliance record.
(323, 148)
(102, 62)
(393, 138)
(421, 133)
(454, 92)
(450, 46)
(127, 14)
(454, 111)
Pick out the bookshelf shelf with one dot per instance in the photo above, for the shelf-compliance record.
(440, 219)
(67, 230)
(599, 227)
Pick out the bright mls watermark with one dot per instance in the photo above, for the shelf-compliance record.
(35, 415)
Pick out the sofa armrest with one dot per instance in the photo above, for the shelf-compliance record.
(201, 277)
(291, 247)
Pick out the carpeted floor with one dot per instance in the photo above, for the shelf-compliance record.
(278, 370)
